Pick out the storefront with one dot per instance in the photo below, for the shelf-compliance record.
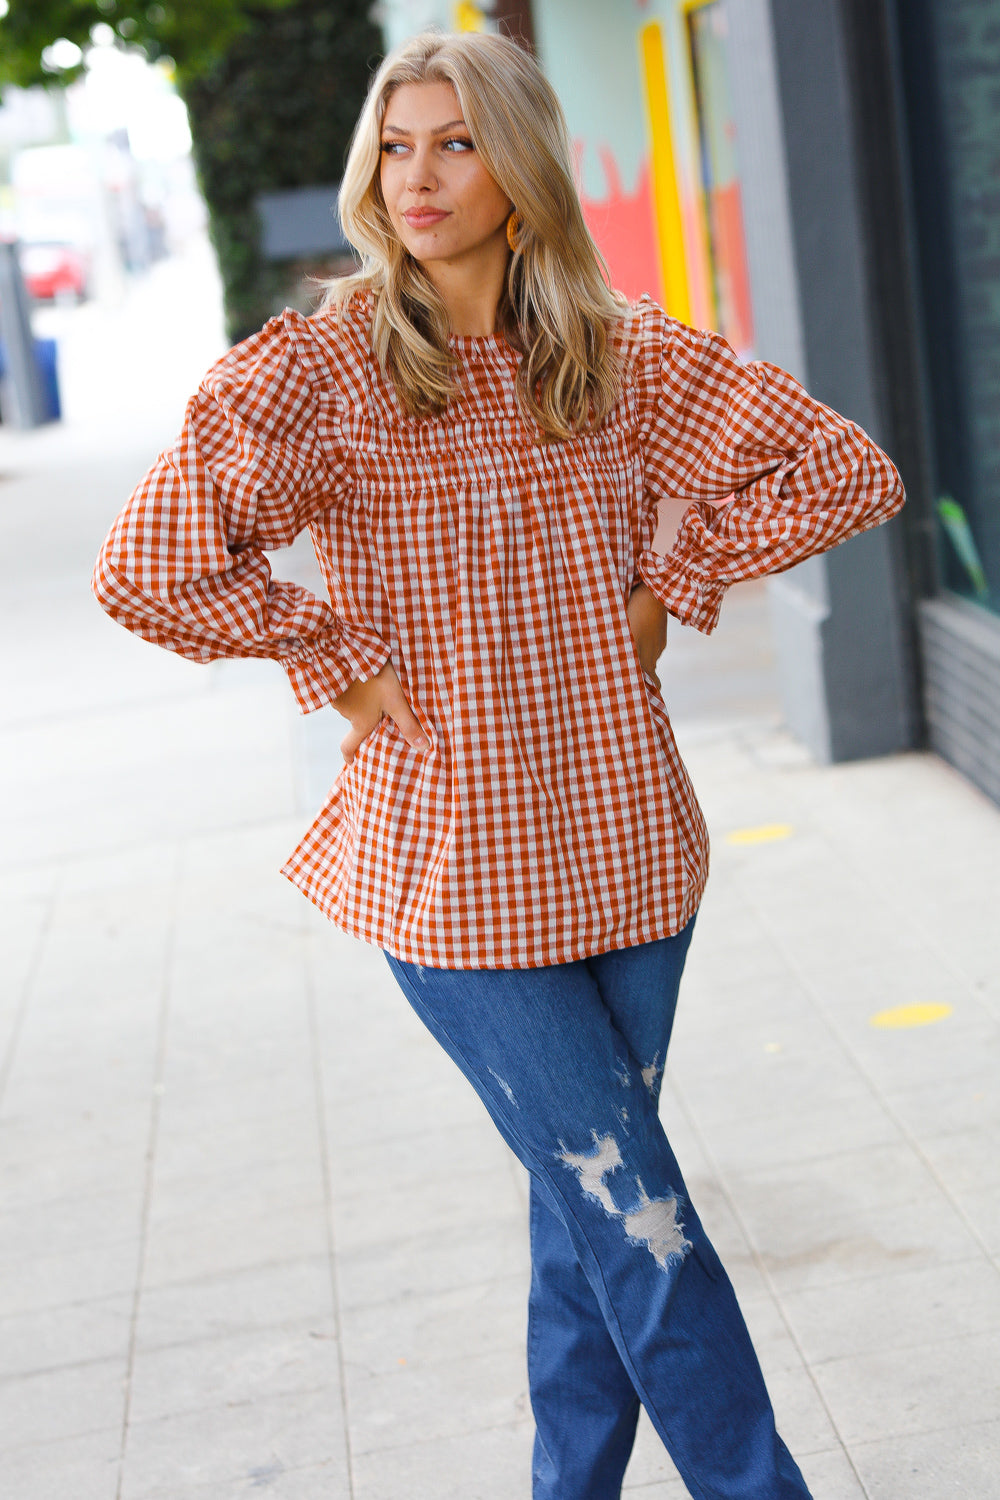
(949, 68)
(821, 184)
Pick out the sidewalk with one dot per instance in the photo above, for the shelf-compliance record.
(257, 1235)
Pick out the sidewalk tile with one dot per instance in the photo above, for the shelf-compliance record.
(477, 1318)
(952, 1105)
(967, 1160)
(774, 1141)
(246, 1230)
(982, 1209)
(831, 1476)
(650, 1464)
(203, 1136)
(387, 1214)
(23, 920)
(955, 1458)
(46, 1154)
(52, 1281)
(63, 1224)
(766, 1319)
(912, 1385)
(68, 1402)
(232, 1302)
(429, 1157)
(492, 1464)
(50, 1337)
(84, 1468)
(424, 1265)
(430, 1402)
(415, 1104)
(253, 1364)
(323, 1481)
(813, 1228)
(223, 1445)
(800, 1412)
(895, 1311)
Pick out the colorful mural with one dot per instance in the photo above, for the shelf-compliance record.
(645, 86)
(708, 39)
(668, 217)
(468, 17)
(588, 50)
(622, 222)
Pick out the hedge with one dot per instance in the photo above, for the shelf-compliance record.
(276, 111)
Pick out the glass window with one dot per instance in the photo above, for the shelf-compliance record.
(951, 56)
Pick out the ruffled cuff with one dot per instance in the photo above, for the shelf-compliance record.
(319, 676)
(692, 599)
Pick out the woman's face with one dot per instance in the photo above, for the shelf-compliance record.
(444, 205)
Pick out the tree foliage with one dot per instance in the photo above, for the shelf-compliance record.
(195, 33)
(276, 111)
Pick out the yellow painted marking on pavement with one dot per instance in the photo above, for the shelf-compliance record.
(903, 1016)
(768, 833)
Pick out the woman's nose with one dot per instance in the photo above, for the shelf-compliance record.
(420, 176)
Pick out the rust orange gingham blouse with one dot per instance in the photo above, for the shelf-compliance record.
(552, 817)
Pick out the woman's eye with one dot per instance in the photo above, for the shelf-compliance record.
(393, 148)
(458, 143)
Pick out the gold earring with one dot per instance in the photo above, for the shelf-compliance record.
(513, 229)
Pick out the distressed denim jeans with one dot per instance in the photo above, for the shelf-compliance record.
(629, 1302)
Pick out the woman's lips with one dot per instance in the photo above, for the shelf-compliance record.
(424, 218)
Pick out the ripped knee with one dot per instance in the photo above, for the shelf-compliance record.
(654, 1223)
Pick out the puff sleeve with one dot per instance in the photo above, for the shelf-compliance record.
(185, 563)
(774, 476)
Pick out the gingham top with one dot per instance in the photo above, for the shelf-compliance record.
(552, 817)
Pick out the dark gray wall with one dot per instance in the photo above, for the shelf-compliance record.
(764, 182)
(839, 621)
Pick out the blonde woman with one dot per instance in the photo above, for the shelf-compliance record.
(477, 433)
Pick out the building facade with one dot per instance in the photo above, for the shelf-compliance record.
(821, 183)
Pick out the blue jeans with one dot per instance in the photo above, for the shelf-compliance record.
(629, 1302)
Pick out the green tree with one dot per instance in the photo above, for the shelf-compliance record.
(272, 90)
(195, 33)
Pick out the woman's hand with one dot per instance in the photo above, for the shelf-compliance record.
(366, 703)
(647, 618)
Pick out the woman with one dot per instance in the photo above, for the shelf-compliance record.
(477, 433)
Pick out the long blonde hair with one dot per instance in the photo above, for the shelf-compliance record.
(557, 309)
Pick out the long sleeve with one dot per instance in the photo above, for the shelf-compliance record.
(774, 476)
(184, 564)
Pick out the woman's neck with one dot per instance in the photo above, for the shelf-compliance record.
(472, 319)
(471, 294)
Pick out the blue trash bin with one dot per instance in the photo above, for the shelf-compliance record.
(47, 365)
(48, 369)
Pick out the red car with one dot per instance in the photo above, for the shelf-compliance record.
(52, 271)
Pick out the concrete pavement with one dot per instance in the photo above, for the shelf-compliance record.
(256, 1234)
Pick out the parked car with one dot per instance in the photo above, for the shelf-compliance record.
(54, 271)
